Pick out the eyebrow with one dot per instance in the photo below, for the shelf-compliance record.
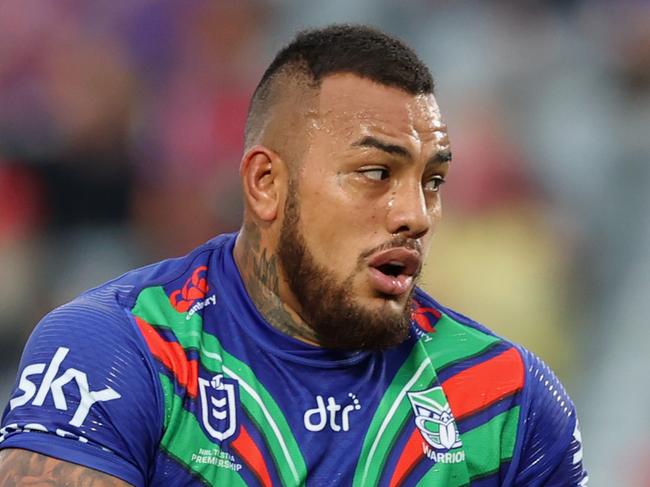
(394, 149)
(398, 150)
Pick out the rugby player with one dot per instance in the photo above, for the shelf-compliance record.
(298, 351)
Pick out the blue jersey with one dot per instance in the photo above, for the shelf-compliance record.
(170, 376)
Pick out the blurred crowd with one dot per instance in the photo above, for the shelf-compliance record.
(121, 133)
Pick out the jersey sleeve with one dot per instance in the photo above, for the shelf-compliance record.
(86, 392)
(551, 445)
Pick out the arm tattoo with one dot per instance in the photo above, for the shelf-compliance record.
(260, 273)
(25, 468)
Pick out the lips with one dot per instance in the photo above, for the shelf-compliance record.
(392, 271)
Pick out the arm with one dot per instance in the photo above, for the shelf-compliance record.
(100, 410)
(23, 467)
(551, 453)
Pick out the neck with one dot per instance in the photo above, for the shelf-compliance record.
(259, 268)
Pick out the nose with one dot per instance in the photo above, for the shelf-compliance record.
(408, 213)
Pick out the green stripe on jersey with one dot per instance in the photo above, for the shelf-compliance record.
(452, 342)
(444, 474)
(481, 456)
(391, 415)
(153, 306)
(501, 429)
(185, 441)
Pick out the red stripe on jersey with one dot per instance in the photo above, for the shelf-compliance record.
(468, 392)
(408, 459)
(251, 455)
(484, 384)
(172, 355)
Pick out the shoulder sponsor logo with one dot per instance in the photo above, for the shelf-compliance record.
(330, 413)
(219, 406)
(436, 423)
(199, 305)
(52, 383)
(424, 319)
(191, 298)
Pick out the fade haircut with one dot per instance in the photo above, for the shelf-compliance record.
(342, 48)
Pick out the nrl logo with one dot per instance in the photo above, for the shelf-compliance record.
(218, 406)
(436, 423)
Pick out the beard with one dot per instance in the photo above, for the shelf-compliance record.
(326, 304)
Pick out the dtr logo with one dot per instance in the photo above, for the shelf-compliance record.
(315, 419)
(436, 423)
(53, 384)
(219, 406)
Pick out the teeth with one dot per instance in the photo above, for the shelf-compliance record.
(399, 264)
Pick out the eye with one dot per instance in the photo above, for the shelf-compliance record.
(375, 173)
(434, 184)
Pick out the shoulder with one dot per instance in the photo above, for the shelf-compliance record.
(458, 337)
(160, 274)
(458, 344)
(482, 372)
(88, 389)
(453, 339)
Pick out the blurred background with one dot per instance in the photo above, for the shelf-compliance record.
(121, 132)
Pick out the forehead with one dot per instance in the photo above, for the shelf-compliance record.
(350, 106)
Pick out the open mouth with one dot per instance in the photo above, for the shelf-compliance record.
(391, 268)
(392, 271)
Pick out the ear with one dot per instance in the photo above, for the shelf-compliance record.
(262, 172)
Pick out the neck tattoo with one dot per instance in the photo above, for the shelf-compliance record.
(261, 277)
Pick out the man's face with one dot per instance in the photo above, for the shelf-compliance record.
(361, 210)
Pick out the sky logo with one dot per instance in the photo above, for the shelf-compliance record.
(53, 383)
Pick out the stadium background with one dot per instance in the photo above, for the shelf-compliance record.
(120, 138)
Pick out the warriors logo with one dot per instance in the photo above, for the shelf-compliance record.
(434, 419)
(219, 406)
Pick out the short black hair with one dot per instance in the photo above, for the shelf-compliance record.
(345, 48)
(358, 49)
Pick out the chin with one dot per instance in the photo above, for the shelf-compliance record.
(388, 306)
(387, 303)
